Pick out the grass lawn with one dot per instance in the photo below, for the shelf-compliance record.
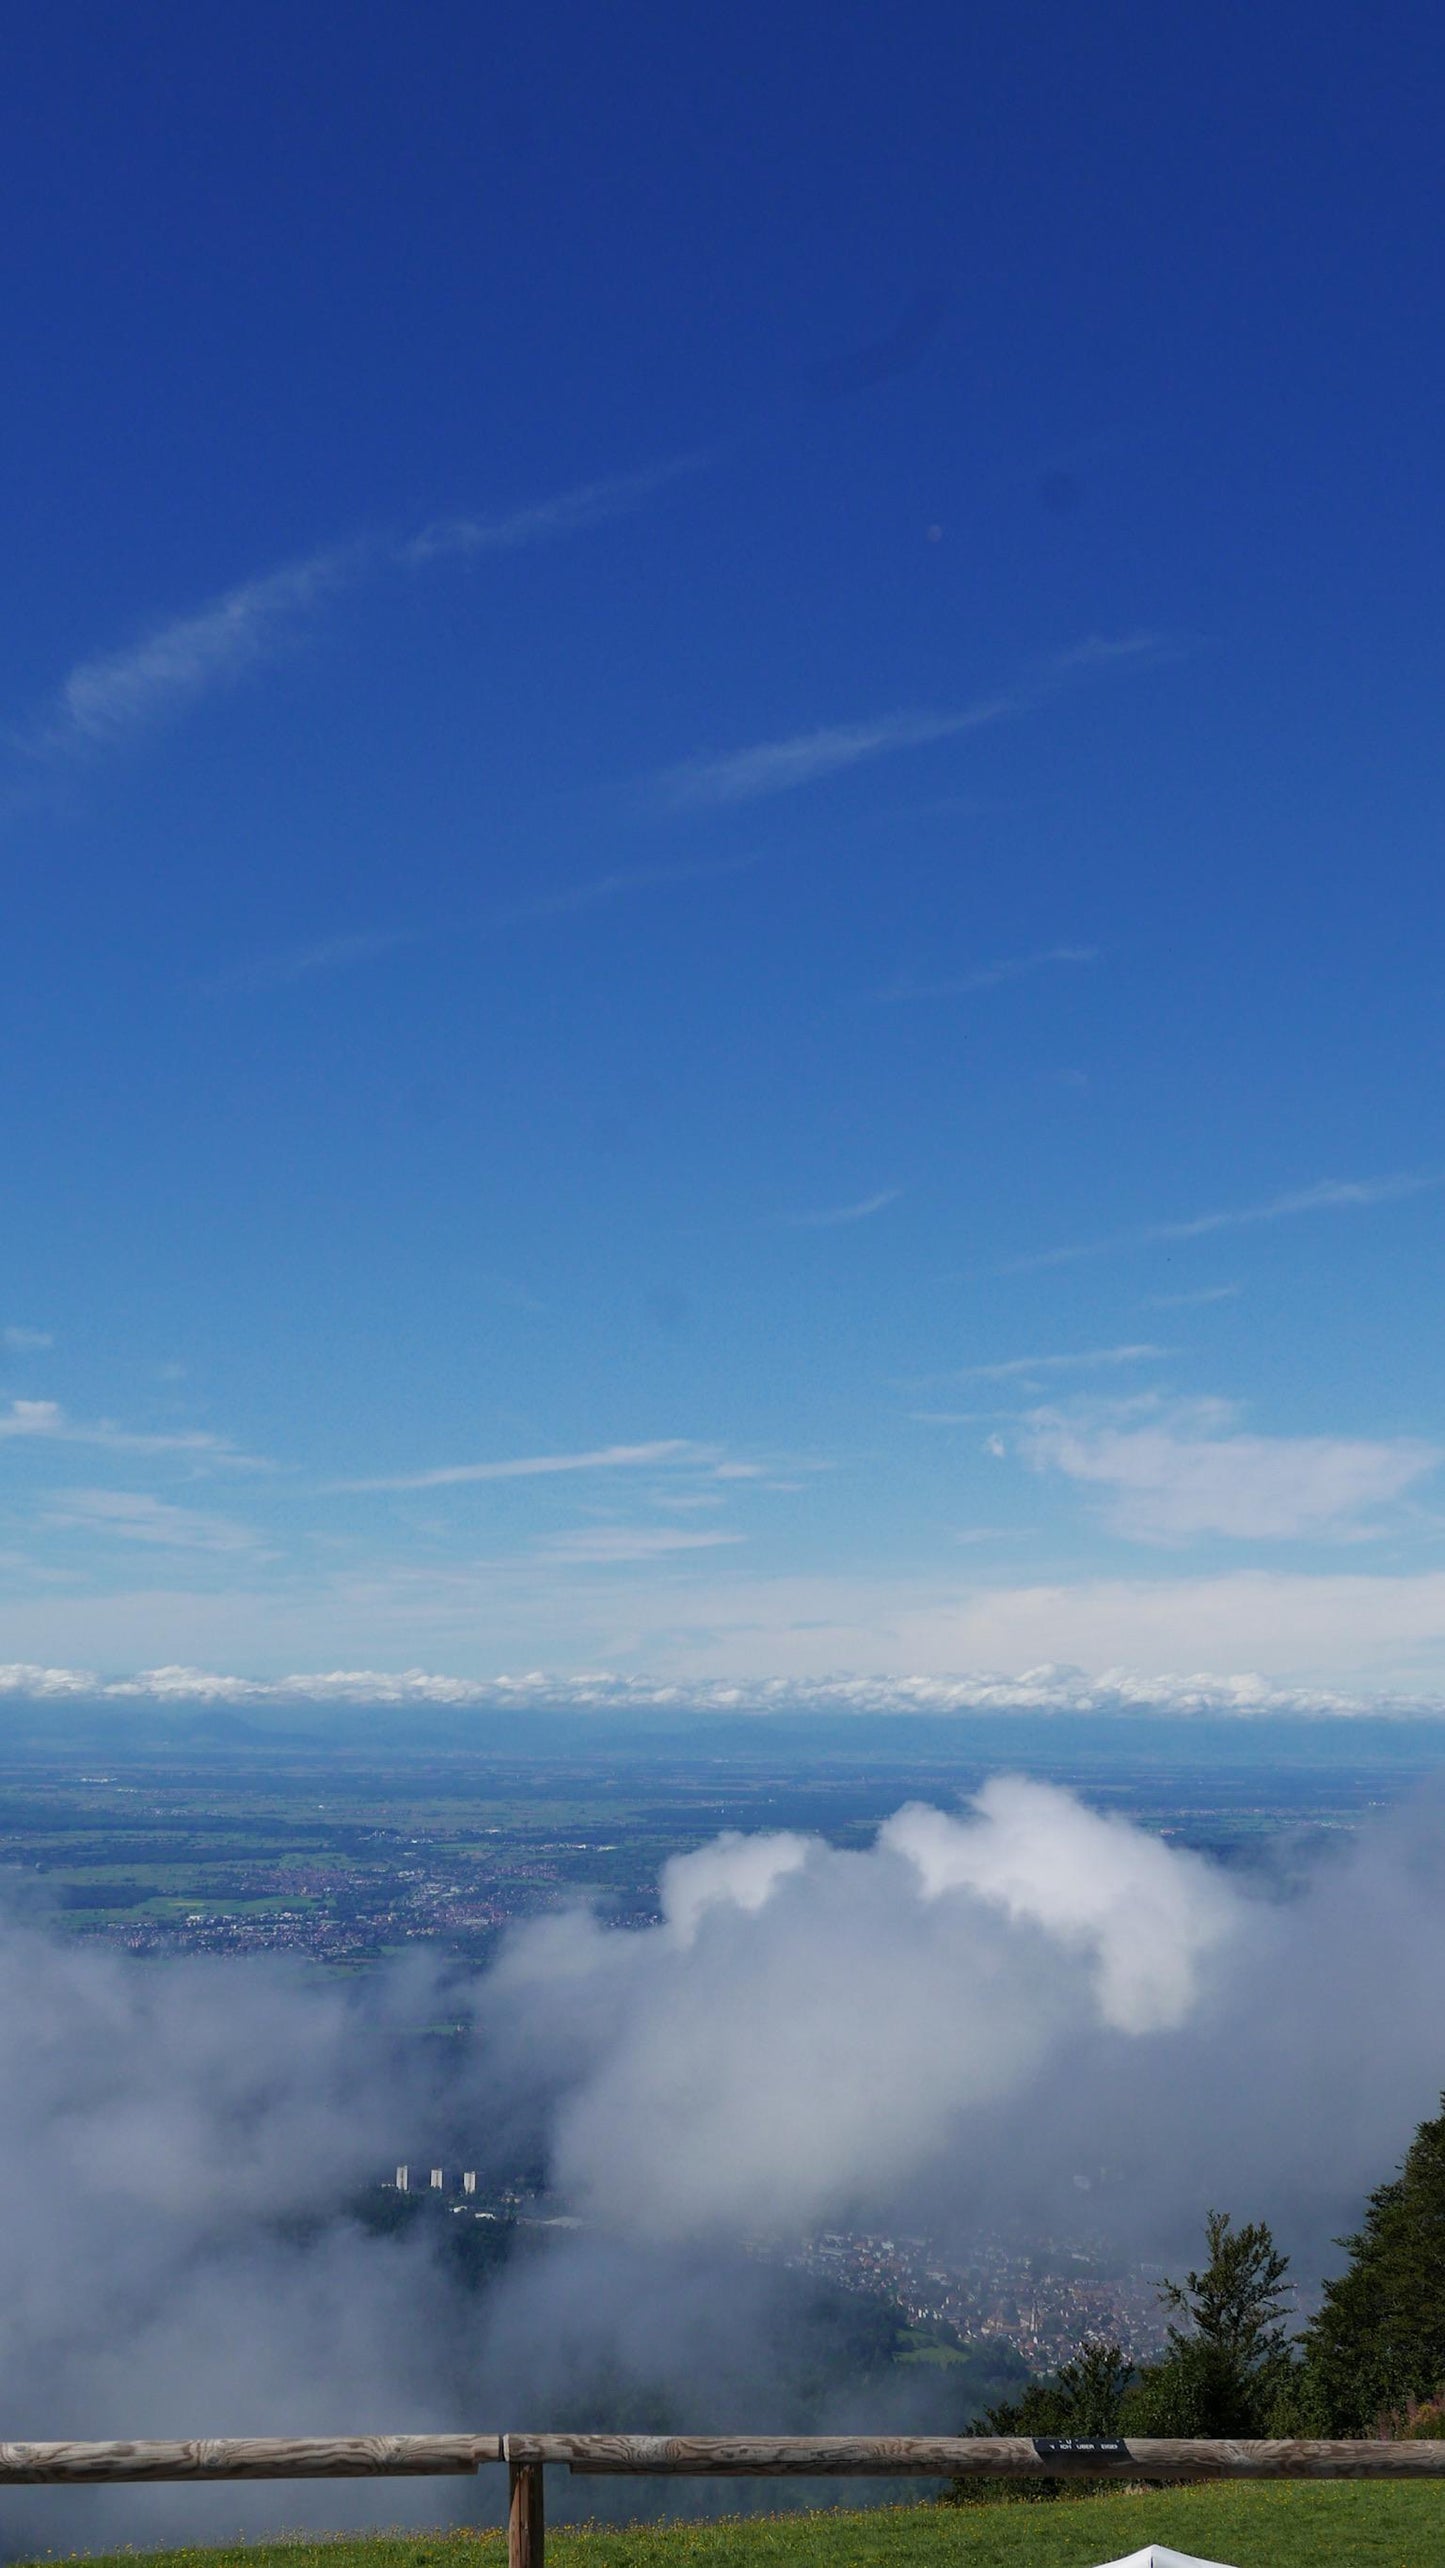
(1285, 2525)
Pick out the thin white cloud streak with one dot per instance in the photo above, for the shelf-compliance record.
(609, 1545)
(340, 953)
(535, 1466)
(44, 1421)
(1019, 1367)
(570, 513)
(837, 1216)
(782, 766)
(989, 976)
(350, 949)
(17, 1341)
(957, 1417)
(129, 1516)
(1179, 1475)
(106, 698)
(1329, 1195)
(1192, 1301)
(610, 887)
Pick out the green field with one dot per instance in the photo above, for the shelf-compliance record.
(343, 1836)
(1395, 2525)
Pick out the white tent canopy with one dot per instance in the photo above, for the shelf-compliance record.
(1156, 2556)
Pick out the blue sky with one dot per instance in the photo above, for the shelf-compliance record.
(721, 813)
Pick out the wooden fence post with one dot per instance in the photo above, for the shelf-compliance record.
(526, 2516)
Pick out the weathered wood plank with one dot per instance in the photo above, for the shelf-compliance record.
(771, 2456)
(972, 2456)
(526, 2516)
(722, 2456)
(1157, 2459)
(351, 2456)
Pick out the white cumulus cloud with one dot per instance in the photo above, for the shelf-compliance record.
(970, 2011)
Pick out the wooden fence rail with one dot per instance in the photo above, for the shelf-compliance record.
(970, 2456)
(934, 2457)
(337, 2456)
(889, 2456)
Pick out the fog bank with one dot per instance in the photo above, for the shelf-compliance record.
(1026, 2011)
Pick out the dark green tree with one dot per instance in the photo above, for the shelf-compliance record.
(1230, 2361)
(1377, 2345)
(1082, 2397)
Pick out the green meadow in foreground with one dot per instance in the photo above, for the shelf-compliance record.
(1284, 2525)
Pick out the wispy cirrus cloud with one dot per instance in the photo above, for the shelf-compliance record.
(536, 1466)
(781, 766)
(105, 699)
(126, 1515)
(118, 692)
(804, 758)
(293, 963)
(837, 1216)
(1192, 1301)
(18, 1341)
(602, 888)
(894, 353)
(350, 949)
(1020, 1368)
(45, 1421)
(1187, 1470)
(987, 976)
(545, 521)
(1328, 1195)
(957, 1417)
(603, 1546)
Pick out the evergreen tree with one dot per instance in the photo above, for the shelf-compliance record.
(1378, 2342)
(1085, 2397)
(1230, 2364)
(1082, 2397)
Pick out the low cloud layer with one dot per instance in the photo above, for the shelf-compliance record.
(809, 2030)
(994, 2014)
(1049, 1689)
